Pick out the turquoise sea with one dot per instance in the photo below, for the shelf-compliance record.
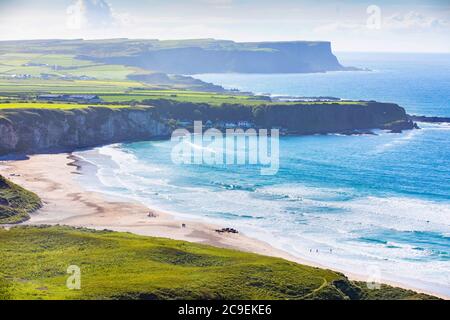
(373, 205)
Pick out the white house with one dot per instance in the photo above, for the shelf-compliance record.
(230, 125)
(244, 124)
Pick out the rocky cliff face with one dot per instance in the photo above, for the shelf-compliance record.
(296, 118)
(35, 130)
(194, 56)
(336, 118)
(263, 57)
(39, 130)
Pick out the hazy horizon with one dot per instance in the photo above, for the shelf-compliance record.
(416, 26)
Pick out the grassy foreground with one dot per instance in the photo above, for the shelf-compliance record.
(16, 202)
(126, 266)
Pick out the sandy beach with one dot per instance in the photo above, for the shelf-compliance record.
(67, 203)
(52, 177)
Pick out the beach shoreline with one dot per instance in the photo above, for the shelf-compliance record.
(66, 202)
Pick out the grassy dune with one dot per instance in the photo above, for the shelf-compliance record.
(126, 266)
(16, 202)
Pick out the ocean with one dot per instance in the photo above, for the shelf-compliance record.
(373, 205)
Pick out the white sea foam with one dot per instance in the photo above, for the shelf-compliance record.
(403, 214)
(394, 143)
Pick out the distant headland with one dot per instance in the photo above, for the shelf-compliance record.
(194, 56)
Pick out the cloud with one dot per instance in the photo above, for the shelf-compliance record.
(340, 27)
(415, 21)
(407, 22)
(90, 14)
(218, 2)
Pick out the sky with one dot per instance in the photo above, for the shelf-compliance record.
(351, 25)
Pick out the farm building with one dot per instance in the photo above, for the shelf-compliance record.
(82, 98)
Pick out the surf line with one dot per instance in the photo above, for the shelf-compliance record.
(213, 147)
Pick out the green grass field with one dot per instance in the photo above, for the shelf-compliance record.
(183, 96)
(111, 81)
(209, 98)
(51, 106)
(121, 101)
(61, 65)
(36, 86)
(125, 266)
(61, 60)
(15, 202)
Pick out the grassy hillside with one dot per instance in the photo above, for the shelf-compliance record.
(49, 106)
(129, 47)
(184, 96)
(23, 76)
(138, 96)
(189, 56)
(12, 87)
(34, 72)
(133, 97)
(59, 65)
(125, 266)
(16, 202)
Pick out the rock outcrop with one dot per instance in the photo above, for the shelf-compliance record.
(429, 119)
(43, 130)
(336, 118)
(299, 118)
(50, 130)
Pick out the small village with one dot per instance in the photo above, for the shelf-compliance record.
(79, 98)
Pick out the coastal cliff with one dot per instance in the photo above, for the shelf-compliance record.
(263, 57)
(301, 118)
(337, 118)
(184, 57)
(41, 130)
(44, 130)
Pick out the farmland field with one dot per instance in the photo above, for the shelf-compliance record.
(52, 65)
(60, 106)
(24, 76)
(25, 86)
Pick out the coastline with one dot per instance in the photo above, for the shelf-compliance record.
(66, 202)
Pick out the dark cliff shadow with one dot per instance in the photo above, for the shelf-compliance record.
(14, 157)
